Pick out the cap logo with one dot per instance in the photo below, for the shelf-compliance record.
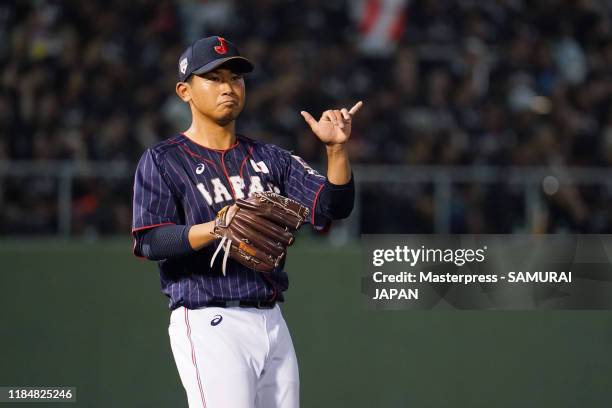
(222, 47)
(183, 65)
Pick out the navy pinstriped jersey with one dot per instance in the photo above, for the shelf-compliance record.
(181, 182)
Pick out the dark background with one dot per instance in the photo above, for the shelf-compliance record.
(458, 84)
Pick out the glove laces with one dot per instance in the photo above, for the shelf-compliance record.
(226, 245)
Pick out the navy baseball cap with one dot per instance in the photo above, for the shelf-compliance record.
(209, 53)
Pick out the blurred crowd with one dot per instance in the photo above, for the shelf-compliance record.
(453, 83)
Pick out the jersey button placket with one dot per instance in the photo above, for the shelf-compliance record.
(227, 174)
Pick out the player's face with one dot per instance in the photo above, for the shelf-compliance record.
(218, 94)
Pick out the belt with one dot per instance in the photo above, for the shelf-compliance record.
(258, 304)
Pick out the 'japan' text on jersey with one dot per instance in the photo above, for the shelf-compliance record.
(181, 182)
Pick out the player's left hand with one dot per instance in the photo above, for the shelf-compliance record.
(334, 127)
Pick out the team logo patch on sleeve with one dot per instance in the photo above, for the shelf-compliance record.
(309, 169)
(259, 167)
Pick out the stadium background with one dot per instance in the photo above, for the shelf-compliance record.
(480, 117)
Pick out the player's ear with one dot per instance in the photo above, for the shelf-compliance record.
(183, 90)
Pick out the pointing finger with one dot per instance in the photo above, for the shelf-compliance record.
(355, 108)
(308, 118)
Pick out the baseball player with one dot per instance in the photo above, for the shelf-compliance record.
(230, 342)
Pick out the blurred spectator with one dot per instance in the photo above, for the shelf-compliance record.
(457, 83)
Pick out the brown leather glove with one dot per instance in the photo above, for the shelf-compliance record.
(257, 231)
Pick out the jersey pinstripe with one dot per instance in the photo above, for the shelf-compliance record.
(180, 182)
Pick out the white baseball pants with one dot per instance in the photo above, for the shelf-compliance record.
(235, 357)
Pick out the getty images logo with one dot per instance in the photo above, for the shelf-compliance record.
(216, 320)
